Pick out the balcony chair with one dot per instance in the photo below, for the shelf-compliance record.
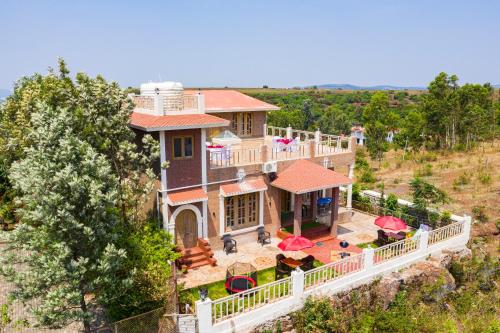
(281, 270)
(307, 263)
(382, 239)
(229, 244)
(402, 233)
(264, 237)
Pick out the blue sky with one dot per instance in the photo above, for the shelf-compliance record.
(251, 43)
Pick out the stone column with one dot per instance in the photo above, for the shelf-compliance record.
(349, 188)
(314, 206)
(297, 215)
(335, 212)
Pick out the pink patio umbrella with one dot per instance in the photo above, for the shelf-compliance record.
(391, 223)
(295, 243)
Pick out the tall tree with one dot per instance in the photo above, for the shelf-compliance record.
(66, 243)
(378, 121)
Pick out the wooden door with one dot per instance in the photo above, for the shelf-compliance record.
(186, 229)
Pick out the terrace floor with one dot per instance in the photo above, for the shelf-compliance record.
(360, 230)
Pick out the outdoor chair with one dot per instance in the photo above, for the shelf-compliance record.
(264, 237)
(402, 233)
(307, 263)
(281, 270)
(382, 239)
(229, 244)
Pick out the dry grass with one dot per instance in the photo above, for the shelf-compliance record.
(471, 179)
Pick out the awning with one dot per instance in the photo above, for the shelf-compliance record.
(182, 197)
(246, 186)
(151, 123)
(304, 176)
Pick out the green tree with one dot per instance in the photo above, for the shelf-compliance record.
(334, 120)
(379, 120)
(425, 194)
(67, 238)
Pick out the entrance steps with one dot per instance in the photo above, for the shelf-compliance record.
(197, 256)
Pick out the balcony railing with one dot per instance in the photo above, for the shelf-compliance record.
(160, 105)
(305, 145)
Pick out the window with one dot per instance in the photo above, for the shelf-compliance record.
(241, 211)
(242, 123)
(183, 147)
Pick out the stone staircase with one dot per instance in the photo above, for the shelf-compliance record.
(197, 256)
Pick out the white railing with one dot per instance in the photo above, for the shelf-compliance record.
(446, 232)
(332, 271)
(183, 103)
(229, 157)
(292, 151)
(251, 299)
(276, 131)
(303, 135)
(248, 309)
(143, 102)
(395, 250)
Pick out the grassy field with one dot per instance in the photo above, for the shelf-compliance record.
(471, 180)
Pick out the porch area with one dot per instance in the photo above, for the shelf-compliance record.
(264, 257)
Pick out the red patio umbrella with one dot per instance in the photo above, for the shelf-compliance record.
(295, 243)
(390, 222)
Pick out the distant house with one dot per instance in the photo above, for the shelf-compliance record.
(359, 133)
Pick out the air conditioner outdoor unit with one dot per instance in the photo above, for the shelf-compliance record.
(270, 167)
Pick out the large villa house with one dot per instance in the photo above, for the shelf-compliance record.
(223, 172)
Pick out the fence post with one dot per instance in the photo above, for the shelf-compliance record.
(159, 106)
(204, 315)
(317, 136)
(368, 256)
(289, 132)
(467, 227)
(264, 154)
(298, 285)
(201, 103)
(423, 241)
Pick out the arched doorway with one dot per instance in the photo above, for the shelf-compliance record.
(186, 228)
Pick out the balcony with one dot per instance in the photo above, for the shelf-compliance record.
(303, 144)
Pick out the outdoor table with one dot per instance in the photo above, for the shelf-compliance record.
(293, 263)
(395, 236)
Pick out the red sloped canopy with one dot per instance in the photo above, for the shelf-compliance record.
(391, 223)
(295, 243)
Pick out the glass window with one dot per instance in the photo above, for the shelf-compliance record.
(183, 147)
(188, 147)
(241, 211)
(177, 147)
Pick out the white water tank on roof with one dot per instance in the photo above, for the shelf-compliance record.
(172, 93)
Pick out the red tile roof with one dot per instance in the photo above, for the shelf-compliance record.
(186, 196)
(304, 176)
(247, 186)
(152, 123)
(232, 100)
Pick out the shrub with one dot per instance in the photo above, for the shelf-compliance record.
(463, 179)
(479, 213)
(445, 218)
(392, 202)
(367, 176)
(4, 315)
(484, 178)
(424, 171)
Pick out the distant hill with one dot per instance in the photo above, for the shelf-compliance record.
(354, 87)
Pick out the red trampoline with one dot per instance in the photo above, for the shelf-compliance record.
(240, 277)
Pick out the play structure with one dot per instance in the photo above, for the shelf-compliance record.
(240, 277)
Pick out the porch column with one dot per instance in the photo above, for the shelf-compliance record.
(314, 206)
(163, 182)
(335, 212)
(297, 214)
(349, 188)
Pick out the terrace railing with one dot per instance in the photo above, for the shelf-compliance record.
(246, 309)
(230, 306)
(227, 157)
(333, 271)
(446, 232)
(301, 150)
(394, 250)
(159, 105)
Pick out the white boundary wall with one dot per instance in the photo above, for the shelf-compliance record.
(242, 312)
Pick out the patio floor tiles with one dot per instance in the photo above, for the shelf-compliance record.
(323, 252)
